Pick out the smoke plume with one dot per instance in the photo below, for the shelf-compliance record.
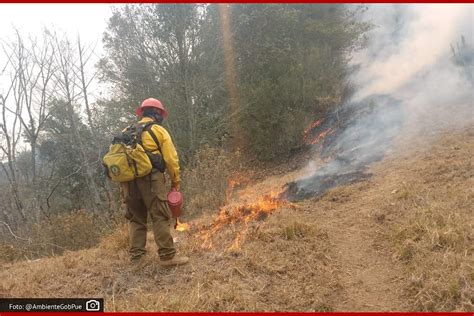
(415, 75)
(409, 57)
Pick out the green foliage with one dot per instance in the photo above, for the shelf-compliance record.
(291, 70)
(162, 51)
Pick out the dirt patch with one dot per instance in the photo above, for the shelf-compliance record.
(370, 279)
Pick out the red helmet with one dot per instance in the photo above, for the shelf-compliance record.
(152, 103)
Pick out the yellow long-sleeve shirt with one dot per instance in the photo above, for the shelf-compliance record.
(167, 149)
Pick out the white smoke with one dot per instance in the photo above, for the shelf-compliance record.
(406, 81)
(409, 58)
(407, 40)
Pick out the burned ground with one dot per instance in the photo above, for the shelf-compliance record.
(348, 139)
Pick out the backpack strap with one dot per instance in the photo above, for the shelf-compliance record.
(147, 127)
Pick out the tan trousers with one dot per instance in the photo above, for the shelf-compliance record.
(145, 196)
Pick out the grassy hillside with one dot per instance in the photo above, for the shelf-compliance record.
(402, 240)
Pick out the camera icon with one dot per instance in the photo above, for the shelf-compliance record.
(92, 306)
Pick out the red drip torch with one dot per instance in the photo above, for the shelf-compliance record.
(175, 201)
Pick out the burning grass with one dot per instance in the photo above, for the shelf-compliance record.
(181, 227)
(309, 130)
(239, 218)
(265, 275)
(313, 135)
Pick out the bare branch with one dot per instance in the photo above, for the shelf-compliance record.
(13, 234)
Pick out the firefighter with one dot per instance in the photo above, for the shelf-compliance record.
(148, 195)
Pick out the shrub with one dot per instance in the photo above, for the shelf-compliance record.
(205, 182)
(72, 231)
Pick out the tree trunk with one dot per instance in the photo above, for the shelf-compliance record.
(230, 72)
(89, 175)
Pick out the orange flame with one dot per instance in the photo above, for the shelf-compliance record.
(321, 136)
(181, 227)
(241, 215)
(233, 182)
(310, 128)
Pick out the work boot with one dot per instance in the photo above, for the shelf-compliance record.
(175, 261)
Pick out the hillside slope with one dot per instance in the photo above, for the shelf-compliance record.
(401, 240)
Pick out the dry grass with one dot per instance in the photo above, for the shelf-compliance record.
(205, 183)
(264, 275)
(430, 219)
(399, 241)
(116, 241)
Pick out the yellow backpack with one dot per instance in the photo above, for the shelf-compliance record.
(126, 159)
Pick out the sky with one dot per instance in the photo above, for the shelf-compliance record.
(87, 20)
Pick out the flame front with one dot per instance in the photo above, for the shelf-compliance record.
(181, 227)
(242, 215)
(309, 129)
(321, 136)
(307, 139)
(233, 182)
(237, 217)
